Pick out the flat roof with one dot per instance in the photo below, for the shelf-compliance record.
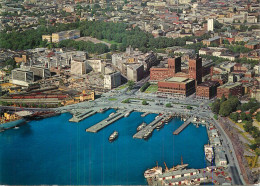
(230, 85)
(208, 84)
(179, 79)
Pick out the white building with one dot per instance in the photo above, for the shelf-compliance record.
(22, 77)
(210, 25)
(79, 67)
(112, 80)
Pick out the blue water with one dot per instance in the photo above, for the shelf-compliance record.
(56, 151)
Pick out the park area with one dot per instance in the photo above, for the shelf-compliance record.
(152, 89)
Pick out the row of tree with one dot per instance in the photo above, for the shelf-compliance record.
(118, 32)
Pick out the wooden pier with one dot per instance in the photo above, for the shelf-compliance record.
(79, 117)
(104, 123)
(183, 126)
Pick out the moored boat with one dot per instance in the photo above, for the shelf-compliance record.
(113, 136)
(149, 173)
(209, 153)
(160, 125)
(140, 127)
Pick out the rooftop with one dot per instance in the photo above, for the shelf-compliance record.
(179, 79)
(208, 84)
(230, 85)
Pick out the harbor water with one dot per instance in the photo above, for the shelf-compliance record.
(56, 151)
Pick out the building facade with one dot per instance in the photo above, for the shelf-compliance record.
(207, 90)
(234, 89)
(22, 77)
(178, 86)
(112, 80)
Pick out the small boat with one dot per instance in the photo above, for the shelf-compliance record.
(16, 127)
(113, 136)
(140, 127)
(127, 114)
(111, 114)
(160, 125)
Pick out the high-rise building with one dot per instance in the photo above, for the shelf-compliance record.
(210, 25)
(112, 80)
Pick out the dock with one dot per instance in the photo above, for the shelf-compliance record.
(150, 126)
(183, 126)
(79, 117)
(104, 123)
(145, 114)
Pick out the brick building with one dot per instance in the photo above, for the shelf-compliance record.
(207, 90)
(174, 66)
(177, 85)
(174, 70)
(234, 89)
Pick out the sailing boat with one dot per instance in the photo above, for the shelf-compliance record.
(177, 167)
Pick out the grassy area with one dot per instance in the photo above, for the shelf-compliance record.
(122, 87)
(240, 125)
(112, 99)
(252, 161)
(152, 89)
(111, 42)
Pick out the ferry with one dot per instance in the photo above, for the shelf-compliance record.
(113, 136)
(140, 127)
(159, 125)
(149, 173)
(209, 153)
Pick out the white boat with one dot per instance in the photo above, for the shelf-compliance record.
(113, 136)
(111, 114)
(209, 153)
(184, 119)
(127, 114)
(140, 127)
(149, 173)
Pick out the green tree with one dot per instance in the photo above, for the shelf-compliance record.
(168, 105)
(225, 109)
(145, 86)
(234, 116)
(223, 98)
(243, 116)
(144, 102)
(113, 47)
(108, 56)
(258, 117)
(216, 106)
(130, 84)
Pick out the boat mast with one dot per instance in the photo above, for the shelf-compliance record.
(166, 168)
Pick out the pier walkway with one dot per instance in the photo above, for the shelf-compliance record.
(79, 117)
(145, 114)
(104, 123)
(151, 126)
(183, 126)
